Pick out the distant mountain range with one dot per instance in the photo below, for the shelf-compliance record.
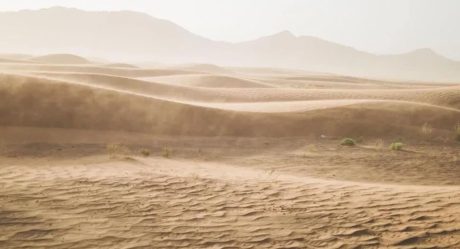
(133, 36)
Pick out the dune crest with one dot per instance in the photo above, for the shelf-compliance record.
(60, 59)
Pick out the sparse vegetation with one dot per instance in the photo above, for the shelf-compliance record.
(348, 142)
(117, 149)
(426, 129)
(145, 152)
(166, 153)
(397, 146)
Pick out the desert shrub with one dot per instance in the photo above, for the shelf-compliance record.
(166, 153)
(426, 129)
(145, 152)
(348, 142)
(117, 149)
(396, 146)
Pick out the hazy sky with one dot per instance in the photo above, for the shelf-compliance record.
(379, 26)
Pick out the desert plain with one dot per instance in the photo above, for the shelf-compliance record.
(110, 155)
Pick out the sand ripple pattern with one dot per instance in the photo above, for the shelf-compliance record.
(136, 204)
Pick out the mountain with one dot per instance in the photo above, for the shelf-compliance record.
(131, 36)
(114, 34)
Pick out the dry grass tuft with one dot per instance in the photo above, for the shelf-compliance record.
(166, 153)
(426, 130)
(397, 146)
(348, 142)
(145, 152)
(117, 149)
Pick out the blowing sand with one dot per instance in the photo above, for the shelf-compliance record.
(199, 156)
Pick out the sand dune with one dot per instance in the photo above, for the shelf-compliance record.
(202, 68)
(116, 108)
(91, 69)
(341, 82)
(212, 81)
(14, 56)
(60, 59)
(7, 60)
(120, 65)
(114, 156)
(447, 96)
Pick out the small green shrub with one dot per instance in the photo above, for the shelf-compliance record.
(348, 142)
(396, 146)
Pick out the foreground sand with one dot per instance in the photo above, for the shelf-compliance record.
(237, 158)
(194, 199)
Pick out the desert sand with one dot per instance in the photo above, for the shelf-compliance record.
(114, 155)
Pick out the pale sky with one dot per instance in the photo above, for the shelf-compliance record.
(378, 26)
